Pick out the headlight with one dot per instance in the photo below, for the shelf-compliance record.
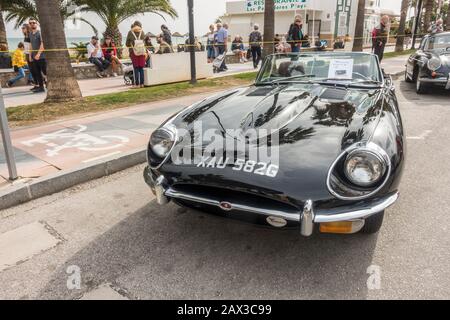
(162, 140)
(434, 63)
(364, 168)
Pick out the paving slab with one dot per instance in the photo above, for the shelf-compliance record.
(103, 292)
(22, 243)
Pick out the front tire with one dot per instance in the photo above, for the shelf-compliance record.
(407, 79)
(373, 223)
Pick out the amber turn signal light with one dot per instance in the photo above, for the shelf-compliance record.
(341, 226)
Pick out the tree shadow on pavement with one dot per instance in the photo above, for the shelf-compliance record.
(175, 253)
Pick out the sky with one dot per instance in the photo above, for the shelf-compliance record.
(205, 12)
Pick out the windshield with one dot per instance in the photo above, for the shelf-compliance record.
(439, 42)
(345, 68)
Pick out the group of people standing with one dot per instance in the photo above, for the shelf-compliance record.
(29, 56)
(140, 48)
(217, 39)
(217, 43)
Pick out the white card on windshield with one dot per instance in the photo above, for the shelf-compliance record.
(341, 69)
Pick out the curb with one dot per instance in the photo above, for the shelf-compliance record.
(396, 75)
(68, 178)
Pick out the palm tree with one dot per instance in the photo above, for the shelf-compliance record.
(269, 26)
(401, 27)
(62, 85)
(114, 12)
(359, 27)
(429, 7)
(447, 23)
(20, 11)
(3, 39)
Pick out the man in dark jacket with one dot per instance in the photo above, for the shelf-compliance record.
(255, 40)
(379, 37)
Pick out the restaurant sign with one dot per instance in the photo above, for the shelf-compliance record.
(280, 5)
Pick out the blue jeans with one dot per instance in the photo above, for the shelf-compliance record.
(296, 48)
(138, 75)
(20, 75)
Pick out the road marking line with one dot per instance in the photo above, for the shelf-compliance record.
(423, 136)
(102, 157)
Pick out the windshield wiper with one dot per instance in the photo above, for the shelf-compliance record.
(346, 84)
(368, 81)
(299, 76)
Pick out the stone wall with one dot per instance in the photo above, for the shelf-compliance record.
(82, 71)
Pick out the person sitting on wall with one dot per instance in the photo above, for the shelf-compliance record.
(164, 47)
(95, 55)
(110, 53)
(237, 47)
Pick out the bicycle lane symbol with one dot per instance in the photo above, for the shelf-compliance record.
(65, 139)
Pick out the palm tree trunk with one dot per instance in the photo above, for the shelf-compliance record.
(269, 26)
(3, 39)
(401, 27)
(359, 27)
(62, 85)
(447, 23)
(429, 5)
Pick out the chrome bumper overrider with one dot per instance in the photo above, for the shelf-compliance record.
(307, 218)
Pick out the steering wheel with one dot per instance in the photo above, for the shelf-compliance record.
(361, 76)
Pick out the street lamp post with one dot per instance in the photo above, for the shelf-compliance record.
(6, 138)
(191, 40)
(416, 23)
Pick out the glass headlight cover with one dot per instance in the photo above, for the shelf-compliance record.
(162, 140)
(364, 168)
(434, 63)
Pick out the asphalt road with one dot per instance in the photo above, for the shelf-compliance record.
(125, 246)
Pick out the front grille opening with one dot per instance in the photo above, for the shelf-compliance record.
(236, 197)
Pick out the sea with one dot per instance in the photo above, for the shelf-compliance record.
(13, 42)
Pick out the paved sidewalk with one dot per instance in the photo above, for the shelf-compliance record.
(42, 150)
(63, 145)
(22, 96)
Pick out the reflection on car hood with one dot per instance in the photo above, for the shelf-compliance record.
(297, 109)
(315, 123)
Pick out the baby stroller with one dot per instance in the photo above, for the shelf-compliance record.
(217, 63)
(128, 74)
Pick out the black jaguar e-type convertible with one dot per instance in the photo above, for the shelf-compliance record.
(316, 140)
(430, 64)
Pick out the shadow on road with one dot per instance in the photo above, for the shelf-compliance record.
(171, 252)
(438, 94)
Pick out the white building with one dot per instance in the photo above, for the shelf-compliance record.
(329, 19)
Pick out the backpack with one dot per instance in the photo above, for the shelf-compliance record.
(139, 46)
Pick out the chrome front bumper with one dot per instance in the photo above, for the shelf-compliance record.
(439, 81)
(307, 218)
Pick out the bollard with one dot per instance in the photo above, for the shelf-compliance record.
(6, 138)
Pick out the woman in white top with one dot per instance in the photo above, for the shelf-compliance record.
(210, 48)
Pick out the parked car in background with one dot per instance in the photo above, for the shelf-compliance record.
(430, 64)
